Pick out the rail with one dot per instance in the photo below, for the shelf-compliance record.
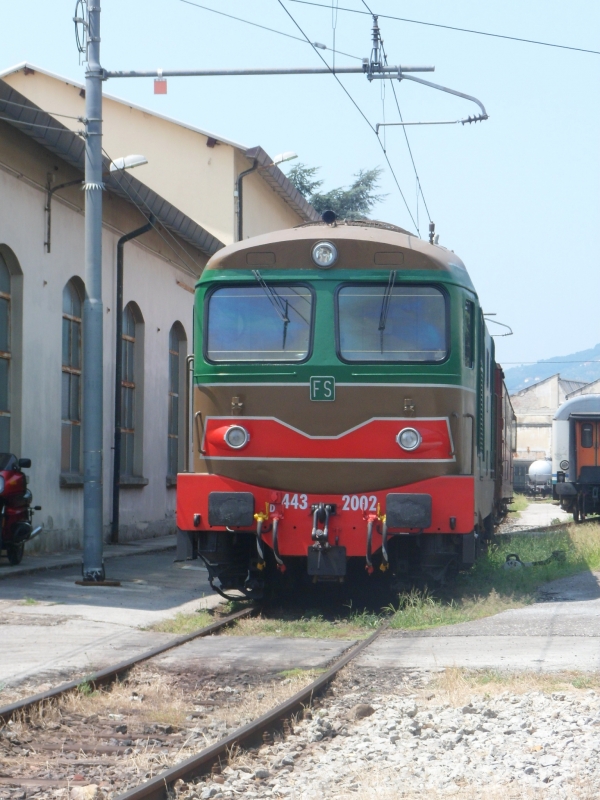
(159, 787)
(110, 673)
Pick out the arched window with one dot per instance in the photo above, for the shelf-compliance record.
(70, 459)
(5, 357)
(132, 391)
(176, 397)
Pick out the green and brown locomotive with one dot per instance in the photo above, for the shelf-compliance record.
(349, 418)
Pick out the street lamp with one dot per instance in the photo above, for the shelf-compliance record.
(118, 165)
(289, 155)
(128, 162)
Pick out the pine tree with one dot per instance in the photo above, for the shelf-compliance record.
(352, 202)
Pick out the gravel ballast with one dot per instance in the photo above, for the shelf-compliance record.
(400, 743)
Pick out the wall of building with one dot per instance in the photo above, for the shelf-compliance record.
(264, 211)
(197, 179)
(153, 279)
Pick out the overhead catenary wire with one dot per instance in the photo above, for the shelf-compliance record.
(271, 30)
(456, 28)
(360, 111)
(410, 152)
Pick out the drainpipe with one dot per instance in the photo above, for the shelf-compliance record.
(114, 535)
(240, 220)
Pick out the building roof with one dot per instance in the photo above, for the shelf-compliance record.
(588, 388)
(24, 115)
(567, 385)
(272, 175)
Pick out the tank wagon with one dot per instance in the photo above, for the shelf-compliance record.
(539, 477)
(348, 414)
(576, 455)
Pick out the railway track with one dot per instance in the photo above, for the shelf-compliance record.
(104, 676)
(42, 755)
(278, 718)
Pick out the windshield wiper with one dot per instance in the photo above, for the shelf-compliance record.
(385, 306)
(280, 305)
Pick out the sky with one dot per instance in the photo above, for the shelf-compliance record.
(516, 197)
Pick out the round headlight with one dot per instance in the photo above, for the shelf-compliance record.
(409, 439)
(564, 465)
(236, 437)
(324, 255)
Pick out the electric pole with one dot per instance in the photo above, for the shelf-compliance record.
(93, 565)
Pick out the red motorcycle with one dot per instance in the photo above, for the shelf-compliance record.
(16, 512)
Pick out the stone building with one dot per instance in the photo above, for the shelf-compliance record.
(535, 407)
(42, 291)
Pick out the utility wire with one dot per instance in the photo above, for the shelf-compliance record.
(455, 28)
(550, 363)
(36, 125)
(272, 30)
(360, 111)
(31, 108)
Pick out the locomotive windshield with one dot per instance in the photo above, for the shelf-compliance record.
(393, 323)
(259, 323)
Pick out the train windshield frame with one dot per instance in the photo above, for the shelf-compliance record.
(393, 323)
(265, 322)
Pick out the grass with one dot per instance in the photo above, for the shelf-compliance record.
(489, 588)
(519, 503)
(184, 623)
(458, 686)
(29, 601)
(420, 610)
(311, 625)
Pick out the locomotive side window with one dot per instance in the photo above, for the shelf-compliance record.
(393, 323)
(469, 330)
(587, 435)
(259, 323)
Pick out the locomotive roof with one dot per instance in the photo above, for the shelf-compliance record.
(361, 245)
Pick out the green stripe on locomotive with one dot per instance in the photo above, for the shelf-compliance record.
(323, 357)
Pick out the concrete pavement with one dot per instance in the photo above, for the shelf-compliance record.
(560, 633)
(538, 514)
(72, 558)
(51, 628)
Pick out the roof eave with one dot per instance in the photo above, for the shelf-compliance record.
(55, 137)
(281, 185)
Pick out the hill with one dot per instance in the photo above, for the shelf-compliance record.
(581, 366)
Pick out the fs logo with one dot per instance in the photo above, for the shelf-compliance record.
(322, 387)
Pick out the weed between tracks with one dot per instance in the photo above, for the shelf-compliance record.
(185, 623)
(519, 503)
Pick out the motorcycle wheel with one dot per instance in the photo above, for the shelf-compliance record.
(14, 553)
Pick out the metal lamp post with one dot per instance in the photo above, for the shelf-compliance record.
(93, 565)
